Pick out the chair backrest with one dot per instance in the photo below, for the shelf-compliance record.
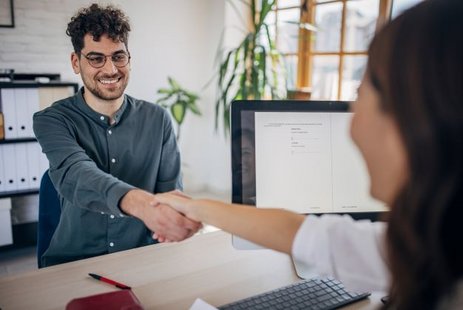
(49, 215)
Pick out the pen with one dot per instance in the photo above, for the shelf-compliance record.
(112, 282)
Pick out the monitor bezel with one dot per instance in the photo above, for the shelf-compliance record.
(239, 106)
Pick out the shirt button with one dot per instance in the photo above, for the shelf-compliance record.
(111, 216)
(110, 132)
(113, 160)
(102, 118)
(111, 244)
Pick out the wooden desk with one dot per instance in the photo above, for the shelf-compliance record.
(165, 276)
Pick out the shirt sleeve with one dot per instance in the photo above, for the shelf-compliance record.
(74, 174)
(351, 251)
(169, 175)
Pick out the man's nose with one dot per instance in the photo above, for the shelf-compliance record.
(109, 65)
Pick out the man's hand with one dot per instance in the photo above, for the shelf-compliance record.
(178, 201)
(159, 218)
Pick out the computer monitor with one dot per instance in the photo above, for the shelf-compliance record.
(298, 155)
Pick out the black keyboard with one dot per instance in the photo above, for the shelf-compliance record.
(319, 294)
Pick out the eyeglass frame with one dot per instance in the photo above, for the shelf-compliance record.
(106, 57)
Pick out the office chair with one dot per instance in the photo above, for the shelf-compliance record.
(49, 215)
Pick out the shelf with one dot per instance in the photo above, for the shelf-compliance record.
(28, 96)
(22, 84)
(31, 76)
(19, 193)
(18, 140)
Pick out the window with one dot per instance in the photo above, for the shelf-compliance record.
(324, 42)
(283, 24)
(333, 57)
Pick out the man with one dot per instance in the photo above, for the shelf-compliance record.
(108, 152)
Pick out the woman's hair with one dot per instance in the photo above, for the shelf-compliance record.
(416, 65)
(96, 21)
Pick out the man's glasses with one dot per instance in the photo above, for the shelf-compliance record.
(96, 60)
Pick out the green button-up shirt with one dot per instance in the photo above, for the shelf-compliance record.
(94, 164)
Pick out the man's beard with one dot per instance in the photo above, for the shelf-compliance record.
(106, 94)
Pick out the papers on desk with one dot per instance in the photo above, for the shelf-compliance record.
(200, 304)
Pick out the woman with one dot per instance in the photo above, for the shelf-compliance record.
(408, 125)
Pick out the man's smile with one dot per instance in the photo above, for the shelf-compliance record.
(107, 81)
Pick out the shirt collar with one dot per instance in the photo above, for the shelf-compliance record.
(98, 117)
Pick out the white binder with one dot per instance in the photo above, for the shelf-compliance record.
(21, 166)
(2, 172)
(9, 113)
(22, 117)
(32, 95)
(10, 167)
(6, 235)
(34, 172)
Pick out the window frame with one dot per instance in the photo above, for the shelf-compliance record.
(305, 54)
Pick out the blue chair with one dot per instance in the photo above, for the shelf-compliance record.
(49, 215)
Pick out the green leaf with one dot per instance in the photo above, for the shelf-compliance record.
(268, 37)
(164, 91)
(164, 99)
(224, 98)
(263, 68)
(191, 96)
(224, 67)
(174, 84)
(178, 110)
(226, 119)
(217, 110)
(266, 8)
(194, 108)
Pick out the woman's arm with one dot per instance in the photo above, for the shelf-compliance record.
(352, 251)
(271, 228)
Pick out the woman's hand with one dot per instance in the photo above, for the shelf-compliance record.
(178, 201)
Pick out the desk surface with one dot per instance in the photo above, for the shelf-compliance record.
(164, 276)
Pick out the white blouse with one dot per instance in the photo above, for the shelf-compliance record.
(351, 251)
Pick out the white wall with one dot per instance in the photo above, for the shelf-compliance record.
(177, 38)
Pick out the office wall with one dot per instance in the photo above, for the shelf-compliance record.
(177, 38)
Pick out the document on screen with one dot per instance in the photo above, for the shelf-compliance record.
(307, 163)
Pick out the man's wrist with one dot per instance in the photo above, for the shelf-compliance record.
(130, 205)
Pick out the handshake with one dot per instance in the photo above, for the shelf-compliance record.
(166, 215)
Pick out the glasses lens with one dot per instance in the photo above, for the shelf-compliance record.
(96, 60)
(120, 60)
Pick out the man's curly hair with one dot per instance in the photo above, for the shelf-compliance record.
(96, 21)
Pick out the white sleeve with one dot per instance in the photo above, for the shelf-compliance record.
(351, 251)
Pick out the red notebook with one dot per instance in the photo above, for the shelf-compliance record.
(118, 300)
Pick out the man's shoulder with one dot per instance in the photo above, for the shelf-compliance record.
(145, 105)
(146, 108)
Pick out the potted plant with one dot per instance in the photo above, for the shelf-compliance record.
(179, 101)
(252, 70)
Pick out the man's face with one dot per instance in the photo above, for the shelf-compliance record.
(109, 81)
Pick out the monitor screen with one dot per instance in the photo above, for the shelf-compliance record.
(298, 155)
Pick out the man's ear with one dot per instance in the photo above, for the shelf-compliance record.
(75, 63)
